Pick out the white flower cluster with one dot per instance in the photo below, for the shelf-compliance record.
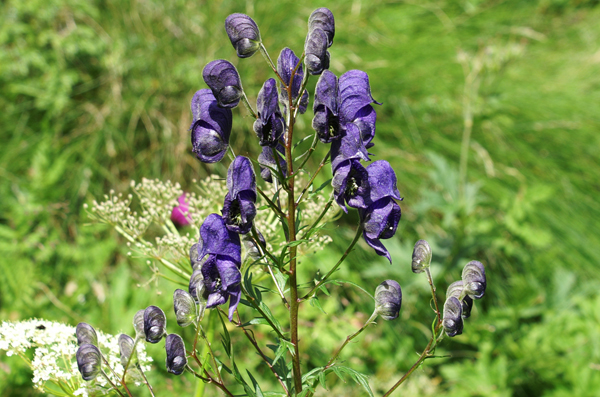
(167, 246)
(54, 361)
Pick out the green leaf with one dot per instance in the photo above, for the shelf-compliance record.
(314, 301)
(358, 377)
(257, 388)
(225, 337)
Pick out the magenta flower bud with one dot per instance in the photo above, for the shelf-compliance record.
(224, 81)
(388, 299)
(179, 215)
(176, 356)
(243, 33)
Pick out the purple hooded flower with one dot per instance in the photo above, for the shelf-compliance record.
(286, 63)
(473, 276)
(270, 124)
(350, 184)
(243, 33)
(456, 290)
(176, 356)
(315, 49)
(326, 108)
(220, 270)
(179, 215)
(211, 127)
(355, 103)
(267, 162)
(224, 81)
(380, 221)
(89, 361)
(239, 209)
(322, 18)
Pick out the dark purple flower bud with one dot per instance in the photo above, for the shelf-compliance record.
(176, 358)
(89, 361)
(380, 221)
(268, 165)
(217, 240)
(421, 257)
(239, 209)
(270, 123)
(286, 63)
(456, 290)
(322, 18)
(138, 324)
(453, 322)
(326, 121)
(211, 127)
(350, 184)
(184, 307)
(355, 103)
(196, 287)
(179, 215)
(222, 279)
(315, 49)
(224, 81)
(155, 324)
(243, 33)
(86, 334)
(126, 344)
(388, 299)
(474, 280)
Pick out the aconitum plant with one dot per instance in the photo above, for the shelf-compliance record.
(247, 236)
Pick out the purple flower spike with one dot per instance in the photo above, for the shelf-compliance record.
(267, 162)
(222, 279)
(218, 241)
(270, 124)
(326, 121)
(350, 184)
(224, 81)
(322, 18)
(380, 221)
(211, 127)
(286, 63)
(315, 48)
(243, 33)
(239, 209)
(179, 215)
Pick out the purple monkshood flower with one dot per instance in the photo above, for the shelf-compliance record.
(380, 221)
(270, 123)
(179, 215)
(315, 50)
(224, 81)
(350, 184)
(220, 270)
(286, 63)
(267, 162)
(211, 127)
(326, 108)
(355, 103)
(239, 209)
(176, 356)
(322, 18)
(243, 33)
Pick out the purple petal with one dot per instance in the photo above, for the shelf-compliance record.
(211, 127)
(380, 221)
(235, 294)
(382, 181)
(351, 184)
(218, 240)
(266, 159)
(269, 126)
(241, 177)
(355, 93)
(349, 146)
(365, 120)
(286, 63)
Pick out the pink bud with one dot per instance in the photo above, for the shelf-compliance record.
(179, 215)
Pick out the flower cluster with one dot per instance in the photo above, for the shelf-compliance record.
(54, 357)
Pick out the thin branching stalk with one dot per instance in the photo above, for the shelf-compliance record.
(312, 178)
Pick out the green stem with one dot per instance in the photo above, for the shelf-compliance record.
(321, 215)
(271, 203)
(312, 178)
(265, 55)
(324, 279)
(115, 388)
(248, 106)
(432, 286)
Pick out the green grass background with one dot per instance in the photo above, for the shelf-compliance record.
(96, 93)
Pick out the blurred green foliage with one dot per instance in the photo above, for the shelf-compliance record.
(490, 119)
